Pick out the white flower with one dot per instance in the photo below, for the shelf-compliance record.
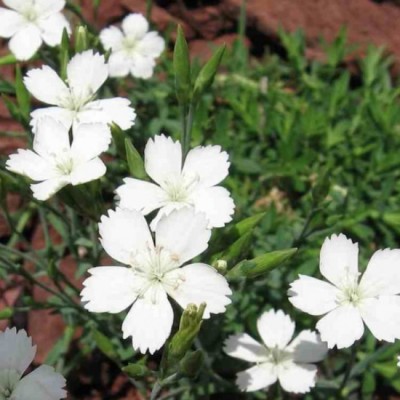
(31, 22)
(74, 101)
(16, 353)
(348, 301)
(277, 359)
(192, 184)
(56, 163)
(134, 49)
(153, 272)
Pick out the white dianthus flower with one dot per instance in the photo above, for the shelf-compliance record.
(192, 184)
(153, 272)
(133, 49)
(55, 162)
(348, 301)
(16, 354)
(29, 23)
(74, 100)
(278, 359)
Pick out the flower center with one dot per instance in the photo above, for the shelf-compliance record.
(157, 266)
(350, 292)
(8, 380)
(178, 190)
(278, 356)
(30, 14)
(64, 165)
(129, 44)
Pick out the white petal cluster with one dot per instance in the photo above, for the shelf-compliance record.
(153, 272)
(29, 23)
(16, 354)
(179, 184)
(133, 49)
(278, 358)
(348, 301)
(74, 101)
(55, 162)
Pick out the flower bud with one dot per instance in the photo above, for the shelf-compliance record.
(192, 363)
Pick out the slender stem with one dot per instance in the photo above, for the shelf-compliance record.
(187, 125)
(242, 19)
(349, 367)
(149, 6)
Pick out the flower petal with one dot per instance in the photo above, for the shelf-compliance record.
(164, 212)
(275, 328)
(51, 140)
(41, 384)
(140, 195)
(90, 140)
(244, 347)
(44, 190)
(382, 317)
(61, 115)
(86, 73)
(341, 327)
(123, 233)
(163, 159)
(142, 67)
(209, 163)
(28, 163)
(183, 233)
(297, 378)
(119, 64)
(307, 347)
(339, 259)
(200, 284)
(111, 38)
(382, 276)
(47, 7)
(44, 84)
(18, 5)
(16, 350)
(151, 45)
(88, 171)
(135, 25)
(117, 110)
(110, 289)
(216, 203)
(149, 321)
(10, 22)
(258, 377)
(52, 28)
(312, 295)
(25, 42)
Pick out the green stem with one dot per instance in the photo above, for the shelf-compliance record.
(149, 6)
(347, 372)
(187, 125)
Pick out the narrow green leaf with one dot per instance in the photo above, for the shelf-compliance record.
(135, 161)
(183, 84)
(119, 139)
(23, 96)
(8, 59)
(64, 54)
(6, 313)
(136, 370)
(104, 344)
(260, 265)
(207, 74)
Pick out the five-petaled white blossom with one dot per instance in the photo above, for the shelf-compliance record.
(29, 23)
(74, 101)
(55, 162)
(277, 360)
(16, 354)
(192, 184)
(347, 301)
(133, 49)
(153, 271)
